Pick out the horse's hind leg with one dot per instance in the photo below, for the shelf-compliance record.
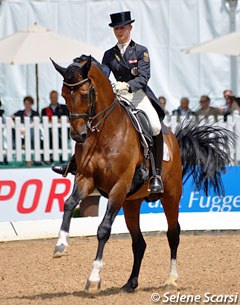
(131, 213)
(79, 192)
(170, 204)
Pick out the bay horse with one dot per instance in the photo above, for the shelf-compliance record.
(108, 152)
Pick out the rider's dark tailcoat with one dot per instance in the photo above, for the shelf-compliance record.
(134, 68)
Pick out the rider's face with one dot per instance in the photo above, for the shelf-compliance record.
(122, 33)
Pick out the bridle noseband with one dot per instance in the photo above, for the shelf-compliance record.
(90, 116)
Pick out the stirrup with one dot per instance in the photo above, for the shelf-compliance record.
(160, 185)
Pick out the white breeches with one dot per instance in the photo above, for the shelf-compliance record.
(140, 100)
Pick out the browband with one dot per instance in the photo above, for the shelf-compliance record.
(81, 82)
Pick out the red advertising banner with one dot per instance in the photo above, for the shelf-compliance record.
(29, 194)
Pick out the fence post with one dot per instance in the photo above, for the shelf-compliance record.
(28, 156)
(9, 128)
(1, 140)
(64, 138)
(36, 135)
(55, 138)
(18, 128)
(46, 139)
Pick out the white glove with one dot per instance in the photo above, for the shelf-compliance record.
(121, 87)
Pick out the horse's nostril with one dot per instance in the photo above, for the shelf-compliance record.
(83, 137)
(79, 138)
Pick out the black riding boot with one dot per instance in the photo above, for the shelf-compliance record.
(65, 168)
(155, 182)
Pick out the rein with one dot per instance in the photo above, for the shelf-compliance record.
(91, 116)
(109, 108)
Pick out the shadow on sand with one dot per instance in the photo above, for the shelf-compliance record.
(86, 295)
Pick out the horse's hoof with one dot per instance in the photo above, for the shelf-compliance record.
(93, 286)
(127, 288)
(60, 251)
(171, 283)
(130, 286)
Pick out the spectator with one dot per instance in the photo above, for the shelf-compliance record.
(26, 112)
(227, 94)
(226, 108)
(163, 103)
(235, 104)
(206, 110)
(183, 109)
(1, 110)
(1, 116)
(229, 107)
(54, 108)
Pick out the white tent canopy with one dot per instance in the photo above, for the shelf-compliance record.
(228, 44)
(37, 44)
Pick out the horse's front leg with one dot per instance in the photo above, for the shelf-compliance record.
(81, 189)
(116, 199)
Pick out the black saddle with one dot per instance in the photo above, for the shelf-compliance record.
(141, 123)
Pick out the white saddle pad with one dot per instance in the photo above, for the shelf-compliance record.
(166, 155)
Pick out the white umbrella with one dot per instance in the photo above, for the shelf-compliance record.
(37, 44)
(228, 44)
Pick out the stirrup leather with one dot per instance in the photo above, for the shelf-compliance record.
(66, 170)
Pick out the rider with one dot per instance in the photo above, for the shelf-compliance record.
(130, 64)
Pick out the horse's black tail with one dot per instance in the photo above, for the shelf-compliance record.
(205, 152)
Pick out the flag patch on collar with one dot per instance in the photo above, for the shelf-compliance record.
(132, 61)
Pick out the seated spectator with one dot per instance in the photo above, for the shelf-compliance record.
(226, 94)
(1, 116)
(235, 104)
(206, 110)
(1, 110)
(228, 107)
(54, 109)
(183, 109)
(26, 112)
(163, 103)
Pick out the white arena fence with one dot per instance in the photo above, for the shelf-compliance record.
(44, 140)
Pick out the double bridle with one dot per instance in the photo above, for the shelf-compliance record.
(91, 115)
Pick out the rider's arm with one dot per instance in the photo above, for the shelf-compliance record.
(105, 64)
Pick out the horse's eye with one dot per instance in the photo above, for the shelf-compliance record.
(85, 96)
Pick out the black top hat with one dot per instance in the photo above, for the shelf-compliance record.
(119, 19)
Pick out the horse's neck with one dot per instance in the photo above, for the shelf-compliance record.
(103, 88)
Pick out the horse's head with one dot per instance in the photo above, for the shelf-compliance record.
(79, 95)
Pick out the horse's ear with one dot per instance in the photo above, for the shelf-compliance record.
(86, 67)
(60, 69)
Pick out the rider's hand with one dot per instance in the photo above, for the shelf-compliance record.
(121, 87)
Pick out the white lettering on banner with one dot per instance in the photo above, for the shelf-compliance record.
(214, 203)
(36, 194)
(155, 204)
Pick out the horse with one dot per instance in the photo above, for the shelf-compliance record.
(108, 155)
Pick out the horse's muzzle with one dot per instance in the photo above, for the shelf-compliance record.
(79, 137)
